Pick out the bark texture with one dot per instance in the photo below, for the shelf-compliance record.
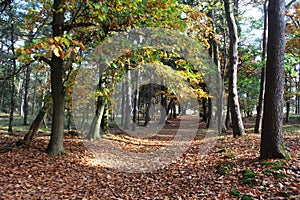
(271, 140)
(36, 122)
(236, 117)
(55, 146)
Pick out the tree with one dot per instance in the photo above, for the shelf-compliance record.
(272, 145)
(55, 145)
(77, 24)
(237, 123)
(293, 44)
(258, 122)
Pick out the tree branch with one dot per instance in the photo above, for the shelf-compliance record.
(77, 25)
(17, 72)
(287, 6)
(46, 60)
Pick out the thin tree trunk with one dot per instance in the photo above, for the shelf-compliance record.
(34, 95)
(105, 120)
(1, 99)
(123, 104)
(26, 94)
(227, 119)
(174, 111)
(209, 113)
(128, 100)
(287, 114)
(136, 99)
(236, 117)
(169, 108)
(224, 53)
(163, 106)
(12, 100)
(272, 145)
(260, 107)
(70, 118)
(298, 95)
(150, 94)
(55, 146)
(298, 106)
(204, 100)
(2, 86)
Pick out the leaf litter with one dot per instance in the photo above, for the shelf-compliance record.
(231, 170)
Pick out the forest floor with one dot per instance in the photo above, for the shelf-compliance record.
(231, 169)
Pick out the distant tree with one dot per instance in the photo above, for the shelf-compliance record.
(272, 145)
(260, 107)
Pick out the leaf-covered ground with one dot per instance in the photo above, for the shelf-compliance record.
(231, 170)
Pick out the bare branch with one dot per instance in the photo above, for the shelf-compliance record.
(287, 6)
(17, 72)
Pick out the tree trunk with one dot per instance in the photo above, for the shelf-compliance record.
(297, 94)
(227, 119)
(70, 119)
(94, 132)
(105, 120)
(163, 106)
(2, 97)
(26, 94)
(169, 108)
(55, 146)
(236, 117)
(150, 94)
(287, 114)
(123, 104)
(216, 59)
(128, 100)
(204, 118)
(297, 112)
(34, 94)
(260, 107)
(174, 111)
(37, 121)
(136, 100)
(95, 128)
(209, 113)
(272, 145)
(224, 64)
(3, 86)
(12, 98)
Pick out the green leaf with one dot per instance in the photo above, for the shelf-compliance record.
(66, 42)
(97, 6)
(105, 9)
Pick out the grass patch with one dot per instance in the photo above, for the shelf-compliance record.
(248, 177)
(276, 164)
(240, 195)
(283, 194)
(232, 155)
(221, 151)
(224, 167)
